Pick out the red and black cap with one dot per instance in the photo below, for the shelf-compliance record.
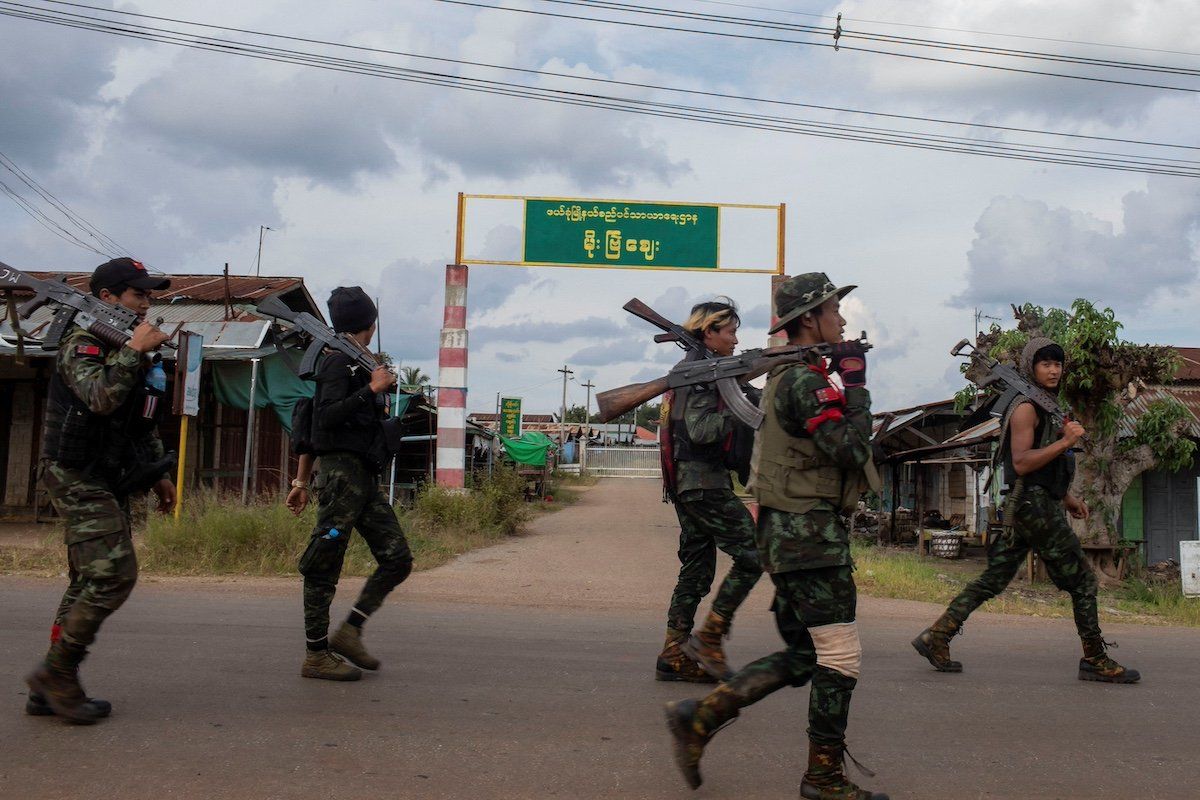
(127, 272)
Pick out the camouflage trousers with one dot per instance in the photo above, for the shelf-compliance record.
(101, 563)
(711, 519)
(348, 498)
(1039, 524)
(804, 599)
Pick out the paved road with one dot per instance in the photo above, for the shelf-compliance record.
(524, 670)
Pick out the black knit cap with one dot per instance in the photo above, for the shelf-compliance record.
(351, 310)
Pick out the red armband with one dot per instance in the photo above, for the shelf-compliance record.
(829, 414)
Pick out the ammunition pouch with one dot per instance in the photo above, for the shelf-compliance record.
(79, 438)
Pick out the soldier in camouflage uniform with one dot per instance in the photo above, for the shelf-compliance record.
(812, 460)
(100, 424)
(1039, 466)
(349, 442)
(710, 515)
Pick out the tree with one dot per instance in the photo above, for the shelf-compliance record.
(647, 414)
(1103, 375)
(413, 379)
(577, 414)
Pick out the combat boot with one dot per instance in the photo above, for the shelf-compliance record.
(675, 665)
(347, 642)
(56, 680)
(692, 724)
(934, 643)
(1097, 666)
(825, 779)
(705, 647)
(36, 706)
(326, 666)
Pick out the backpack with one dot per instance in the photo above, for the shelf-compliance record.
(302, 427)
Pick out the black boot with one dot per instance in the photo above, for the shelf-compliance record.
(692, 724)
(57, 681)
(934, 643)
(1097, 666)
(825, 779)
(36, 706)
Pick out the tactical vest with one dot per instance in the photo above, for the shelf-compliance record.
(683, 446)
(789, 473)
(75, 437)
(1056, 476)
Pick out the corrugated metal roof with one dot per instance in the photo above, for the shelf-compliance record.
(201, 288)
(1189, 396)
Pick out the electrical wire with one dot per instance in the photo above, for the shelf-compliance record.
(1068, 156)
(777, 40)
(45, 221)
(609, 81)
(110, 246)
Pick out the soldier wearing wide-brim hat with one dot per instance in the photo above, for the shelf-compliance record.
(812, 461)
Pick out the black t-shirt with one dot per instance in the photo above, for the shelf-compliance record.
(346, 413)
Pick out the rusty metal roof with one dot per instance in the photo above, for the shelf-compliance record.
(199, 288)
(1189, 396)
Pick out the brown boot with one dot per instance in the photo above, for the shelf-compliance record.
(1097, 666)
(347, 642)
(57, 681)
(934, 643)
(692, 724)
(825, 779)
(704, 647)
(674, 665)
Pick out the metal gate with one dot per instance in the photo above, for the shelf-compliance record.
(623, 462)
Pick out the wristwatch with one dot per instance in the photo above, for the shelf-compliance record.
(299, 484)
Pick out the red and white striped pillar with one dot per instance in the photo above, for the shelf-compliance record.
(452, 382)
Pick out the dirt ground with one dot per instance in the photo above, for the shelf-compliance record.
(525, 670)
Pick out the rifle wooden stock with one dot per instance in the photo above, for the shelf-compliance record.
(615, 402)
(643, 311)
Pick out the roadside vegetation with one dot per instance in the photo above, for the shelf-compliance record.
(218, 535)
(888, 572)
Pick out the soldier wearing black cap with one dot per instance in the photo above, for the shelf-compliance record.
(348, 439)
(101, 422)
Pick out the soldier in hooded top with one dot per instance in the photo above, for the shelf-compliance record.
(710, 515)
(1038, 467)
(100, 428)
(812, 460)
(349, 442)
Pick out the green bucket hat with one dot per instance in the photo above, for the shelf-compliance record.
(803, 293)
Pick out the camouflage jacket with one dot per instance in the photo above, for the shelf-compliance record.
(705, 426)
(788, 542)
(102, 378)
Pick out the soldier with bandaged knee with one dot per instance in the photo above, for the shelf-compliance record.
(348, 440)
(811, 462)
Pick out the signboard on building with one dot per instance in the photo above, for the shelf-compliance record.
(187, 373)
(510, 417)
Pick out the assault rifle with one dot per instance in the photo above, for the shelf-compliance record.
(725, 372)
(1012, 385)
(111, 324)
(674, 333)
(319, 336)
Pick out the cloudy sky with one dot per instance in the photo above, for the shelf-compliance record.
(180, 155)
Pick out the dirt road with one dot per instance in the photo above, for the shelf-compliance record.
(525, 670)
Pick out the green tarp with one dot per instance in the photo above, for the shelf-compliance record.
(530, 449)
(278, 387)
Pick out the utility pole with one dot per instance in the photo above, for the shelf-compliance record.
(587, 407)
(562, 419)
(258, 260)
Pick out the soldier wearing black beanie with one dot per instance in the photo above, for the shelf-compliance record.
(351, 310)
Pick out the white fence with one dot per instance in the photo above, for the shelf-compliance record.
(623, 462)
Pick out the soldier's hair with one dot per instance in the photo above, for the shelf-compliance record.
(716, 313)
(116, 289)
(1051, 352)
(792, 328)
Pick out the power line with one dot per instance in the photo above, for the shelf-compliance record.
(609, 81)
(1067, 156)
(90, 230)
(889, 23)
(42, 219)
(777, 40)
(845, 33)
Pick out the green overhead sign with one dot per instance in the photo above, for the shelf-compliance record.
(590, 233)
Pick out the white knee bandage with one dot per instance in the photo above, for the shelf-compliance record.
(838, 647)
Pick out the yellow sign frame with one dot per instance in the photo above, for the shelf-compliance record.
(460, 234)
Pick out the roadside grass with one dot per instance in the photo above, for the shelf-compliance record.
(888, 572)
(566, 489)
(217, 535)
